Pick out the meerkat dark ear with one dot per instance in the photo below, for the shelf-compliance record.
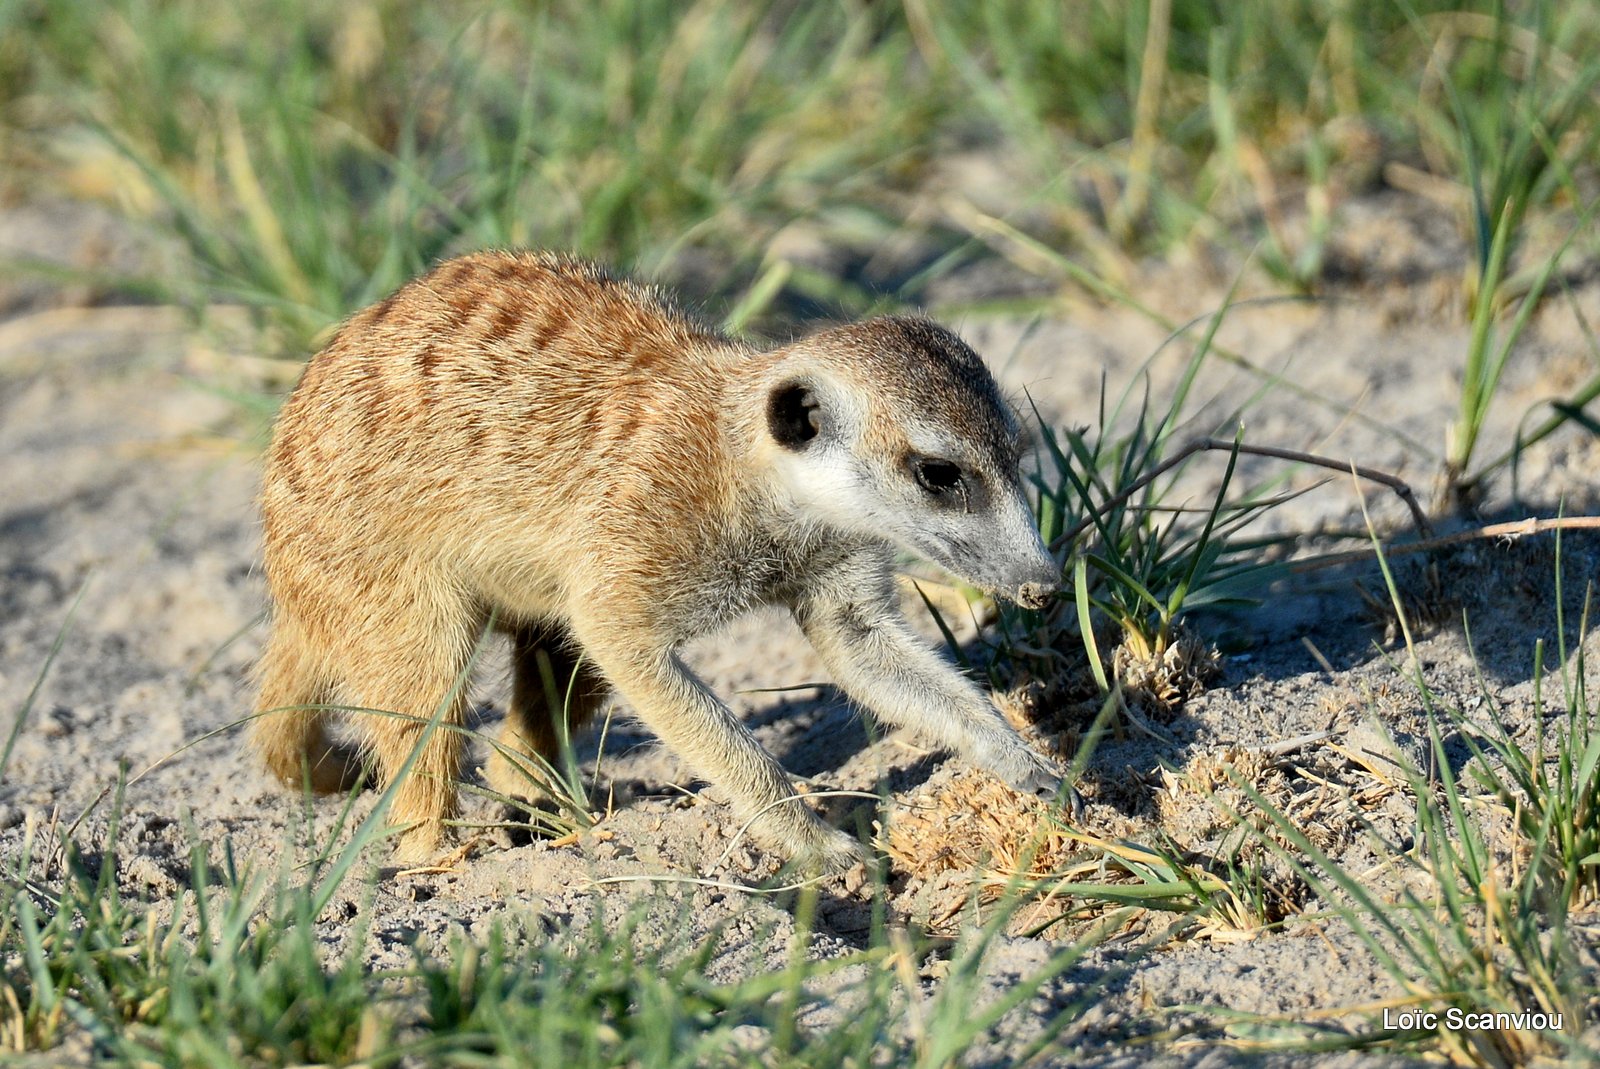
(793, 415)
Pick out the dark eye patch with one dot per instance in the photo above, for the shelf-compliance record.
(937, 477)
(948, 484)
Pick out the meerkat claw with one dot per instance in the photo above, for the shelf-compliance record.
(1075, 804)
(1046, 781)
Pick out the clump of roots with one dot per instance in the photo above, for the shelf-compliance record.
(969, 822)
(1165, 672)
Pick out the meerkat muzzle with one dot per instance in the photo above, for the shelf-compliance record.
(1037, 595)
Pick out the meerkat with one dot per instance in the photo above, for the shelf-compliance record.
(526, 438)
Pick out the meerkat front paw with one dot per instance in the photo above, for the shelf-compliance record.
(1029, 772)
(1047, 781)
(834, 852)
(809, 842)
(1038, 779)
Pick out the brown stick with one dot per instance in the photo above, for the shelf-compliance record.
(1513, 529)
(1201, 445)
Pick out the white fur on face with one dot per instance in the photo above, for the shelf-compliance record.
(827, 481)
(828, 485)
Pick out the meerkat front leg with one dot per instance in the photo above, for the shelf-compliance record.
(693, 723)
(853, 620)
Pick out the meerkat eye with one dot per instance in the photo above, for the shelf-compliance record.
(937, 477)
(793, 415)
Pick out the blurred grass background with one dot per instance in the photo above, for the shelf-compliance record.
(777, 161)
(310, 155)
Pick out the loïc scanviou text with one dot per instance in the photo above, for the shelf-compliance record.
(1456, 1019)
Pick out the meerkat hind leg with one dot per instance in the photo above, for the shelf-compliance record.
(411, 674)
(555, 692)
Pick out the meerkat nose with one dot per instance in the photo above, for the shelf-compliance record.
(1037, 595)
(1040, 583)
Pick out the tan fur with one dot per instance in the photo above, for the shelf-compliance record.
(522, 435)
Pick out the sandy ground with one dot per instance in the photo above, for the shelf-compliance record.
(126, 487)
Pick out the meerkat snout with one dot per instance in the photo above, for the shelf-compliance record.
(1035, 577)
(525, 440)
(1030, 574)
(1036, 595)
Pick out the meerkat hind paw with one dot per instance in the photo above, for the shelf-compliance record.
(420, 845)
(333, 769)
(527, 820)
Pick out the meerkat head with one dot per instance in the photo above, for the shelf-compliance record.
(894, 429)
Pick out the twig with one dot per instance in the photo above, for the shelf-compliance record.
(1200, 445)
(719, 885)
(1512, 530)
(1285, 747)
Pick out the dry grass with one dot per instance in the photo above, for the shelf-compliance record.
(1199, 840)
